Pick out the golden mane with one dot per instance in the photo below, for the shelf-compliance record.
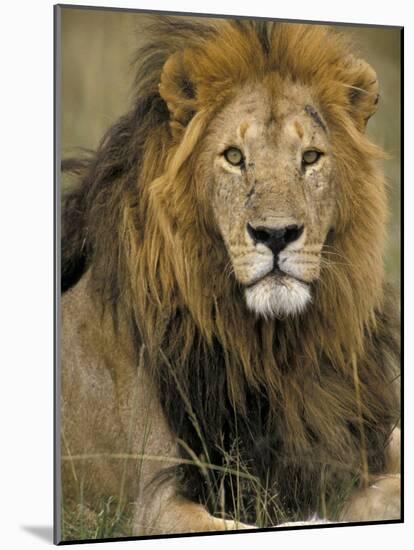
(141, 223)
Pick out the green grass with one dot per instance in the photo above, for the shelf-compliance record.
(111, 518)
(108, 521)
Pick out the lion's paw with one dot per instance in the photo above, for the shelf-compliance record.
(313, 520)
(230, 525)
(380, 501)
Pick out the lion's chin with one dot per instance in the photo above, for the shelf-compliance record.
(275, 297)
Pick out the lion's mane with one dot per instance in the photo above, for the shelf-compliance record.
(307, 400)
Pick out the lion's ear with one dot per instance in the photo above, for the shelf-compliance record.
(363, 90)
(178, 89)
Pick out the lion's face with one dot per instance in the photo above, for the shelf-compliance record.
(273, 192)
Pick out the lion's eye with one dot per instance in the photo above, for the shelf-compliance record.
(234, 156)
(311, 156)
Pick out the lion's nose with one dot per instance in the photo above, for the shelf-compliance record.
(276, 238)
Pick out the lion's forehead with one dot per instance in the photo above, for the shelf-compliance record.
(260, 117)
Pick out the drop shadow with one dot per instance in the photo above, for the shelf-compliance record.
(43, 532)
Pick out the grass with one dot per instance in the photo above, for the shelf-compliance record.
(113, 515)
(82, 523)
(113, 518)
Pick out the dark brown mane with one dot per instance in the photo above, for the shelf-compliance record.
(316, 387)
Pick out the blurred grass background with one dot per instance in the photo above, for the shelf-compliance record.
(97, 77)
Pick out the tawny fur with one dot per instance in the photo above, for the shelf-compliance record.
(157, 320)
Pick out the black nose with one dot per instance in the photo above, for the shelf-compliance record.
(275, 238)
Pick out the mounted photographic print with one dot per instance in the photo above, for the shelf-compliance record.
(228, 288)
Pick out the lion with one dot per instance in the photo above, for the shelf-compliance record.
(229, 343)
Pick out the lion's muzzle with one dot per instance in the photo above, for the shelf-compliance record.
(275, 238)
